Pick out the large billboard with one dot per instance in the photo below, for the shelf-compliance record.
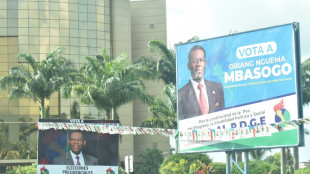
(77, 146)
(242, 83)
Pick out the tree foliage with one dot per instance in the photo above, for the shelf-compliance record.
(305, 74)
(29, 169)
(38, 80)
(258, 154)
(151, 160)
(270, 159)
(109, 83)
(17, 150)
(258, 167)
(184, 163)
(219, 168)
(164, 67)
(303, 170)
(163, 110)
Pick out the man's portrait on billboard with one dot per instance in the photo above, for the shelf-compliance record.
(75, 155)
(199, 96)
(77, 147)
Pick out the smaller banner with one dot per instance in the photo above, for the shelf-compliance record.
(78, 146)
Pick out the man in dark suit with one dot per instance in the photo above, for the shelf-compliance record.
(199, 96)
(75, 156)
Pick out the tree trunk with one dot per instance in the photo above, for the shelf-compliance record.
(42, 108)
(59, 104)
(112, 114)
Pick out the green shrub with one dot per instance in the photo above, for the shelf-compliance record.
(151, 160)
(219, 168)
(121, 170)
(184, 163)
(303, 170)
(30, 169)
(257, 167)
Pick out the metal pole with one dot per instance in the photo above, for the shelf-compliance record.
(246, 162)
(228, 167)
(283, 161)
(296, 158)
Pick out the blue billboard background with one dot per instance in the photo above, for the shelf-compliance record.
(221, 58)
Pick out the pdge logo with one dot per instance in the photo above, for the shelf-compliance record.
(282, 114)
(44, 170)
(110, 171)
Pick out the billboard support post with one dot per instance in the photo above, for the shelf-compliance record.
(232, 158)
(229, 160)
(283, 161)
(238, 166)
(228, 167)
(296, 158)
(246, 162)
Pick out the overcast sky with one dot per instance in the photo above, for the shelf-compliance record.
(212, 18)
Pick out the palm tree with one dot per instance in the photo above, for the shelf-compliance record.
(165, 67)
(109, 83)
(305, 74)
(38, 80)
(305, 85)
(258, 154)
(163, 111)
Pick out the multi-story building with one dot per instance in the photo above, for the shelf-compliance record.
(81, 27)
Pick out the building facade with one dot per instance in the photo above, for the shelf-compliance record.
(81, 27)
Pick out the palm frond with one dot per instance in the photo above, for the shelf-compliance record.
(29, 59)
(305, 74)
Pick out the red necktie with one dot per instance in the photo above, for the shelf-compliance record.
(202, 101)
(78, 161)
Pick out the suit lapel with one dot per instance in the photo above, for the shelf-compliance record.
(86, 159)
(211, 97)
(69, 159)
(193, 101)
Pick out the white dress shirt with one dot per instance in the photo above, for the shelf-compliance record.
(81, 159)
(197, 91)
